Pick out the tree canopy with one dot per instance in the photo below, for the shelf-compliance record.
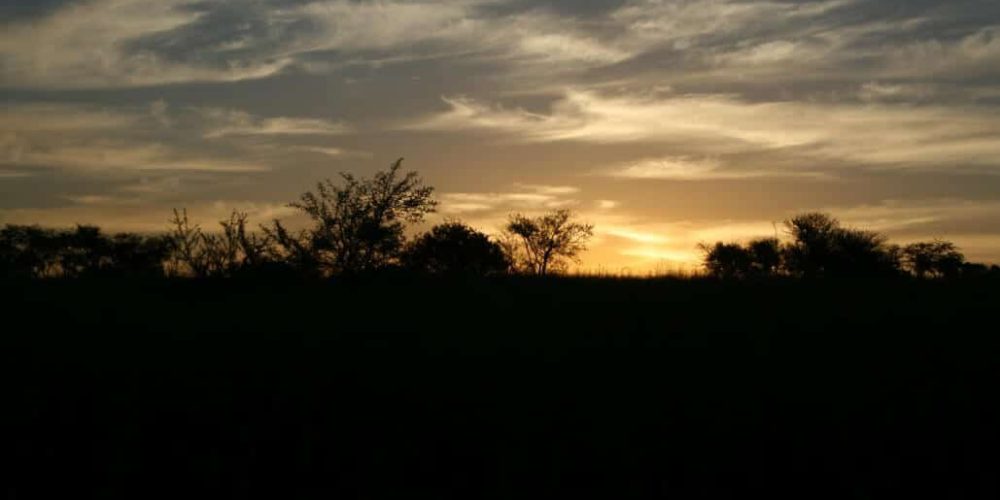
(547, 243)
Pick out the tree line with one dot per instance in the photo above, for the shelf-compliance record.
(820, 246)
(358, 226)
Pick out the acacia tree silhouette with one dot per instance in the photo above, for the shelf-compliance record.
(547, 243)
(358, 226)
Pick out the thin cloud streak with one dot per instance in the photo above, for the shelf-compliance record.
(871, 134)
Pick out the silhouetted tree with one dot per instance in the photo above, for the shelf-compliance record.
(547, 243)
(759, 258)
(727, 260)
(137, 255)
(82, 251)
(813, 237)
(293, 250)
(862, 253)
(455, 248)
(936, 259)
(203, 254)
(30, 251)
(765, 256)
(821, 247)
(359, 226)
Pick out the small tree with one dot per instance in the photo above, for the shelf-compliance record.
(813, 237)
(546, 243)
(137, 255)
(359, 226)
(29, 251)
(233, 250)
(765, 256)
(727, 260)
(936, 259)
(759, 258)
(455, 248)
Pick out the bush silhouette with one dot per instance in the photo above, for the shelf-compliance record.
(765, 256)
(34, 252)
(821, 247)
(547, 243)
(454, 248)
(358, 226)
(233, 251)
(759, 258)
(727, 260)
(936, 259)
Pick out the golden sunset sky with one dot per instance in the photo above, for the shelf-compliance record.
(664, 122)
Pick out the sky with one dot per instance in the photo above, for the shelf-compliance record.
(665, 123)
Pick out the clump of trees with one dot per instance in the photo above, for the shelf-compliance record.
(232, 251)
(356, 226)
(821, 247)
(35, 252)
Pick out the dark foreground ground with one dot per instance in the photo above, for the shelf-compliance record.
(505, 389)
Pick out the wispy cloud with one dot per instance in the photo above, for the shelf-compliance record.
(224, 122)
(874, 134)
(524, 197)
(680, 168)
(132, 158)
(156, 137)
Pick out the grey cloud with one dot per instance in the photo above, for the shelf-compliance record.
(14, 10)
(228, 34)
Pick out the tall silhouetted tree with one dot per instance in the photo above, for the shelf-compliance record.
(936, 259)
(540, 245)
(359, 224)
(455, 248)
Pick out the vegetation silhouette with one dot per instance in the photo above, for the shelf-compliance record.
(238, 363)
(821, 247)
(454, 248)
(35, 252)
(358, 227)
(545, 244)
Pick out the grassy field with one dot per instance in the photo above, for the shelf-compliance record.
(578, 387)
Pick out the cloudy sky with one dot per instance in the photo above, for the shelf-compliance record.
(664, 122)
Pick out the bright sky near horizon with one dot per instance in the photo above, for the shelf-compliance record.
(663, 122)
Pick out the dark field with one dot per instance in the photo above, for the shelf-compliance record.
(408, 388)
